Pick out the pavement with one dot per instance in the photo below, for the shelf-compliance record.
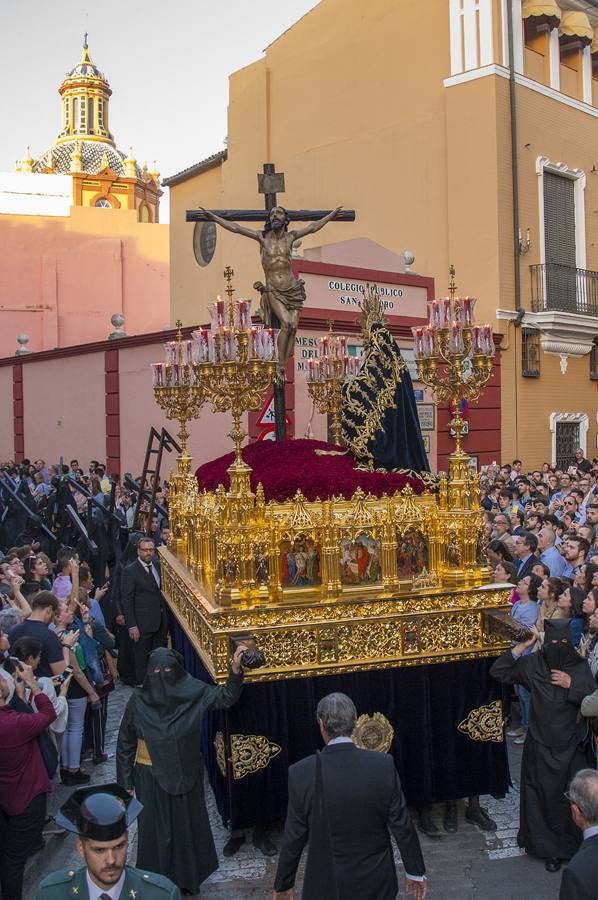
(468, 865)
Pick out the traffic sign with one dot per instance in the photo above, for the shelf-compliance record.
(266, 417)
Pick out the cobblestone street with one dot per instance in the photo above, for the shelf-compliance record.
(469, 865)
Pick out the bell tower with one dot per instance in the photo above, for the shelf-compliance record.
(85, 94)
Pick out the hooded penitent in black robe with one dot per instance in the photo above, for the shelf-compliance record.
(554, 749)
(166, 713)
(379, 413)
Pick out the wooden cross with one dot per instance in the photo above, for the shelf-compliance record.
(270, 184)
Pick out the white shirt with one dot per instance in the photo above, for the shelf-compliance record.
(590, 832)
(115, 891)
(154, 571)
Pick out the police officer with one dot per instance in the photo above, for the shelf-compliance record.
(100, 816)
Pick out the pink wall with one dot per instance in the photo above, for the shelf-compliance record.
(62, 278)
(63, 405)
(139, 411)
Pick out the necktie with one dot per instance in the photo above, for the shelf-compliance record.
(105, 897)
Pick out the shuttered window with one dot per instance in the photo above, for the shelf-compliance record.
(530, 353)
(559, 241)
(594, 361)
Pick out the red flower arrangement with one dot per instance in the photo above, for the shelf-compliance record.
(284, 468)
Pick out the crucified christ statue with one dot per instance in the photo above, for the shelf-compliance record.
(282, 295)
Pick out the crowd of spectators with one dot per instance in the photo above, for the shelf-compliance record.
(541, 536)
(63, 638)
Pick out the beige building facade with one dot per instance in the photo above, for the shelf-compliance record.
(408, 112)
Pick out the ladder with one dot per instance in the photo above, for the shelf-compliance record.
(157, 442)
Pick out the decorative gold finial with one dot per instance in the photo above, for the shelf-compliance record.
(76, 158)
(154, 173)
(229, 289)
(452, 282)
(129, 165)
(105, 163)
(179, 334)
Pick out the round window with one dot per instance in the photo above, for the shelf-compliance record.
(204, 242)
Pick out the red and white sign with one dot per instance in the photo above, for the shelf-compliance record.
(266, 417)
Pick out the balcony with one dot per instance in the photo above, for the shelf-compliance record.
(557, 288)
(564, 303)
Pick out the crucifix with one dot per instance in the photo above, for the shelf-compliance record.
(282, 296)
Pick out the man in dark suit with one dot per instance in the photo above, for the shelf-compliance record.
(143, 606)
(526, 544)
(347, 802)
(580, 878)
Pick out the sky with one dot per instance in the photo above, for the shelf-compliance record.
(167, 63)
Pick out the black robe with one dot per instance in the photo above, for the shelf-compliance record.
(552, 754)
(175, 838)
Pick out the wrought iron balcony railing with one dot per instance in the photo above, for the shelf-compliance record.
(564, 289)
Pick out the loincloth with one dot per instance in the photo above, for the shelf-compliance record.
(292, 298)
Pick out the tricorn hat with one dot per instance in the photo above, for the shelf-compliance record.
(101, 813)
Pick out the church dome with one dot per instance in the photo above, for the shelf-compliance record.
(95, 156)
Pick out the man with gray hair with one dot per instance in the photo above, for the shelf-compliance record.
(580, 878)
(347, 802)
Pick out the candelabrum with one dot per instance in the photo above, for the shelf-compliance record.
(229, 364)
(454, 356)
(179, 391)
(326, 376)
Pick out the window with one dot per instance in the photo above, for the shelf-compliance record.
(90, 113)
(594, 360)
(102, 203)
(567, 442)
(530, 353)
(100, 113)
(559, 241)
(76, 113)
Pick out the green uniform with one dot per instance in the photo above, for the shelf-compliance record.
(138, 885)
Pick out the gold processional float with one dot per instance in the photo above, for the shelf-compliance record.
(429, 595)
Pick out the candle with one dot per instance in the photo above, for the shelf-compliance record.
(468, 304)
(429, 344)
(456, 339)
(434, 313)
(445, 312)
(220, 311)
(418, 342)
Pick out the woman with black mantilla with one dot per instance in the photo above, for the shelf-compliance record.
(554, 751)
(159, 756)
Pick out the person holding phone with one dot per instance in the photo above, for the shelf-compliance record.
(24, 782)
(28, 650)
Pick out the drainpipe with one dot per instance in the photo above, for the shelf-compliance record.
(514, 166)
(515, 189)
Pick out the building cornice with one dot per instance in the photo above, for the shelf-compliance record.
(524, 81)
(210, 163)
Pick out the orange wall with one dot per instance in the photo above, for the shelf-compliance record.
(62, 278)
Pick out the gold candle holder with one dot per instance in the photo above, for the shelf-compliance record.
(454, 358)
(179, 394)
(326, 376)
